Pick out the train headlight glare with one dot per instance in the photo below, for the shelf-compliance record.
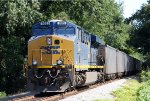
(59, 62)
(61, 23)
(49, 41)
(34, 62)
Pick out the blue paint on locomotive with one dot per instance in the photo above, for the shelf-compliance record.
(52, 28)
(86, 44)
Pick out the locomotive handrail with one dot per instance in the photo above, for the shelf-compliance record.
(68, 54)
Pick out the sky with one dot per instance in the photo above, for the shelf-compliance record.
(131, 6)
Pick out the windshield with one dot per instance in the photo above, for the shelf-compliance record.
(41, 30)
(65, 31)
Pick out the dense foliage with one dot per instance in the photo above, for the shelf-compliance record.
(101, 17)
(16, 18)
(144, 92)
(140, 37)
(145, 75)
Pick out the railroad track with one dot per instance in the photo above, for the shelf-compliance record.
(58, 96)
(45, 97)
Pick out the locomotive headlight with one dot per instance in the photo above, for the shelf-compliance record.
(61, 23)
(59, 62)
(49, 41)
(34, 62)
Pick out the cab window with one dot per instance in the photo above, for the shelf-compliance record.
(82, 37)
(86, 38)
(79, 33)
(65, 30)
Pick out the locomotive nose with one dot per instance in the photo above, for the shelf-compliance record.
(49, 51)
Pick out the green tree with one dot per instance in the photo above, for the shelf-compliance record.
(103, 18)
(141, 32)
(140, 37)
(16, 18)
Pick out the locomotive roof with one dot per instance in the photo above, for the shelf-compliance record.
(53, 23)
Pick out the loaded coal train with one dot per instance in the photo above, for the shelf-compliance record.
(62, 55)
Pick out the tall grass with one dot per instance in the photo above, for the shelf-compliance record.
(143, 92)
(145, 75)
(128, 92)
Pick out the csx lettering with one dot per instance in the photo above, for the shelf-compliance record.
(50, 49)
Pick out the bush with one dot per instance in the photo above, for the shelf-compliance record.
(2, 94)
(144, 92)
(145, 75)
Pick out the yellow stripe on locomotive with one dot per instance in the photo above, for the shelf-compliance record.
(88, 66)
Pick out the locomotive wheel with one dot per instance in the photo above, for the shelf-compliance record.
(71, 88)
(103, 78)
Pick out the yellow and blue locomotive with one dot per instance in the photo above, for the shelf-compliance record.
(62, 55)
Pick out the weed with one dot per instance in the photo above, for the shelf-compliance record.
(145, 75)
(144, 92)
(128, 92)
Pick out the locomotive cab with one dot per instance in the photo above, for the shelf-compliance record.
(49, 45)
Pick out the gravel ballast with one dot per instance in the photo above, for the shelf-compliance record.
(100, 92)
